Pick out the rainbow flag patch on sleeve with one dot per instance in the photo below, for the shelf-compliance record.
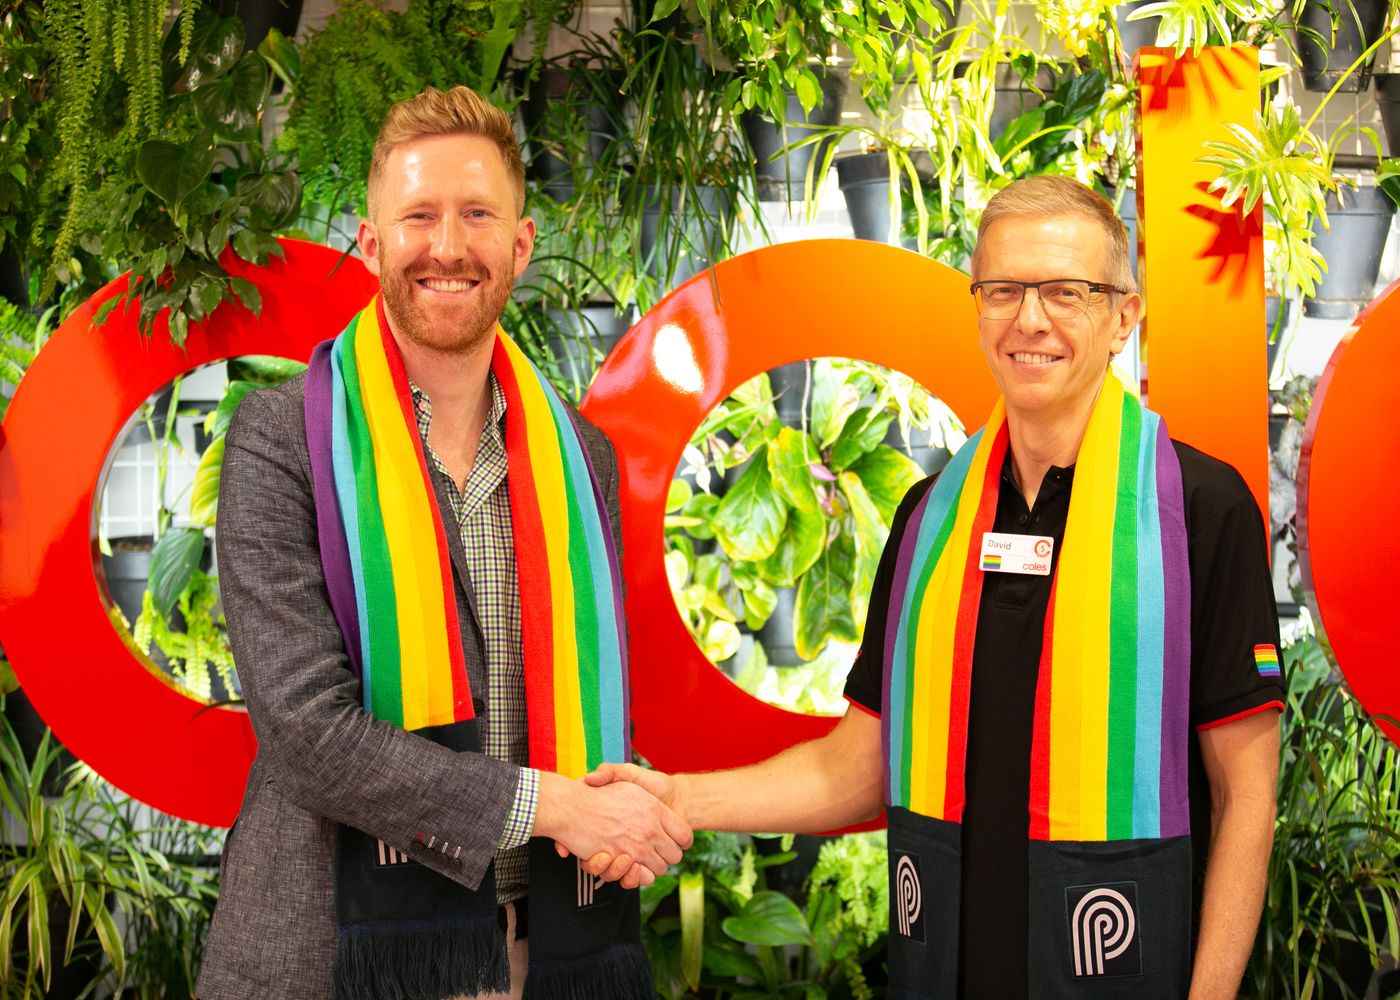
(1266, 659)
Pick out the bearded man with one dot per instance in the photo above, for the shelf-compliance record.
(1068, 692)
(419, 551)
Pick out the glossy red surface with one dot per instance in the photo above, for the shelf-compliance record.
(815, 298)
(108, 703)
(1352, 436)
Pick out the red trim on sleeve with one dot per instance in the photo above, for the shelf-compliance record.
(870, 712)
(1240, 715)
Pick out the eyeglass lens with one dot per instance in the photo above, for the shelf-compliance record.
(1060, 299)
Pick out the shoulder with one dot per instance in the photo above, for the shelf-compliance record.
(271, 423)
(600, 448)
(1212, 489)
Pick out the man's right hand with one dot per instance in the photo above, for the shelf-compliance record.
(616, 819)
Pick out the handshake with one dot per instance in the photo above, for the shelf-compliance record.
(626, 823)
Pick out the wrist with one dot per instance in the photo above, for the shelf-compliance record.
(553, 807)
(687, 807)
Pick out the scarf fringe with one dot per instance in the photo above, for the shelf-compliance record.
(618, 972)
(421, 960)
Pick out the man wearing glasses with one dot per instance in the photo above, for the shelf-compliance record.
(1068, 691)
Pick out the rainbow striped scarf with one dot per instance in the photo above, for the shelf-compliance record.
(390, 572)
(405, 929)
(1109, 743)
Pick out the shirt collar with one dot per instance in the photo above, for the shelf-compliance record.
(423, 406)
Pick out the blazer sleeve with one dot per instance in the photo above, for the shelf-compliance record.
(321, 750)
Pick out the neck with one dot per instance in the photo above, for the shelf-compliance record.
(1042, 438)
(456, 384)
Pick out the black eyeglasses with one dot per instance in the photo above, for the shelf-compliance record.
(1063, 298)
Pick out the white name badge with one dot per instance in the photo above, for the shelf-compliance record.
(1016, 553)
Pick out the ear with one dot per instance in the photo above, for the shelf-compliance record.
(1128, 315)
(368, 241)
(524, 244)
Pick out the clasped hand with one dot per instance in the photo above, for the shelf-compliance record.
(624, 819)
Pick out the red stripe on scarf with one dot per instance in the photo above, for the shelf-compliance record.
(461, 687)
(965, 632)
(1040, 744)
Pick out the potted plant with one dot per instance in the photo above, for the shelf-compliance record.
(1331, 38)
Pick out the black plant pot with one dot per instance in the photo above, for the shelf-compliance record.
(1133, 35)
(1014, 97)
(1388, 101)
(1352, 249)
(777, 634)
(13, 285)
(785, 178)
(1356, 31)
(594, 331)
(546, 108)
(127, 570)
(864, 179)
(260, 15)
(929, 457)
(1272, 305)
(708, 217)
(789, 384)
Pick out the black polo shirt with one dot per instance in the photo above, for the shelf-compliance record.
(1232, 611)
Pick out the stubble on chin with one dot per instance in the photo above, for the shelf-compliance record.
(457, 329)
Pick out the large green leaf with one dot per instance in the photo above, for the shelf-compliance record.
(701, 507)
(282, 55)
(171, 172)
(790, 457)
(231, 104)
(692, 898)
(824, 602)
(275, 197)
(173, 562)
(801, 543)
(749, 520)
(863, 431)
(887, 475)
(770, 918)
(215, 46)
(871, 534)
(204, 492)
(264, 369)
(725, 958)
(653, 894)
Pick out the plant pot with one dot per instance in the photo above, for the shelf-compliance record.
(13, 285)
(1014, 97)
(789, 384)
(260, 15)
(1388, 101)
(777, 634)
(785, 178)
(127, 570)
(593, 331)
(1272, 305)
(706, 219)
(864, 180)
(547, 109)
(1133, 35)
(1352, 249)
(1356, 31)
(927, 455)
(1127, 212)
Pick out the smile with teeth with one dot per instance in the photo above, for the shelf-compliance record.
(447, 284)
(1034, 359)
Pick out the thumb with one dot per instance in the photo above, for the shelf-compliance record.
(605, 774)
(561, 850)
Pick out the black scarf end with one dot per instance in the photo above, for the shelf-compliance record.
(421, 960)
(618, 972)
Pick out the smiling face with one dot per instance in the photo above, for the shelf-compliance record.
(446, 240)
(1043, 364)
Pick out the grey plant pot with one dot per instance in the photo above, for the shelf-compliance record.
(785, 178)
(126, 573)
(547, 98)
(789, 384)
(1352, 249)
(707, 221)
(776, 634)
(1133, 35)
(593, 331)
(1322, 68)
(864, 180)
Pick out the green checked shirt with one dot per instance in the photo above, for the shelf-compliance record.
(483, 518)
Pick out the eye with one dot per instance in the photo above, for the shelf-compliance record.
(1001, 293)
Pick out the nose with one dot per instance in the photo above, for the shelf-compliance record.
(1032, 320)
(449, 239)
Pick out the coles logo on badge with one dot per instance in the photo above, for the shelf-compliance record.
(1042, 547)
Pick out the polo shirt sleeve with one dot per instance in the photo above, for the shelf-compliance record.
(865, 683)
(1235, 663)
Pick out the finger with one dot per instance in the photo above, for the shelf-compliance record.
(633, 878)
(668, 850)
(604, 774)
(676, 828)
(621, 865)
(561, 850)
(597, 864)
(653, 861)
(644, 875)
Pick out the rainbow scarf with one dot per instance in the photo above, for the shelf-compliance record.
(1109, 745)
(390, 571)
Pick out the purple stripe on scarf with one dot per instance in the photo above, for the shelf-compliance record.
(1176, 644)
(907, 544)
(330, 529)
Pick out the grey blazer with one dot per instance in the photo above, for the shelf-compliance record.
(321, 760)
